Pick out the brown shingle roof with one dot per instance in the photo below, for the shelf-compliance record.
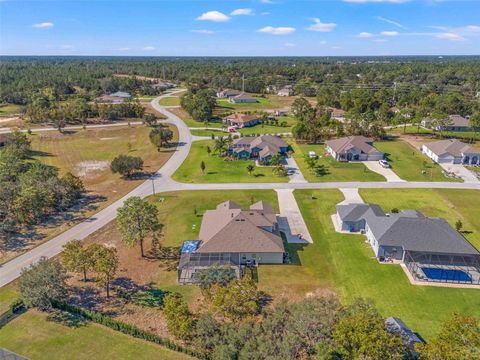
(459, 121)
(344, 144)
(241, 118)
(231, 229)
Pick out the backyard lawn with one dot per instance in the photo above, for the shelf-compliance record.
(205, 132)
(262, 103)
(335, 171)
(451, 204)
(170, 101)
(409, 163)
(415, 130)
(344, 262)
(218, 170)
(10, 109)
(33, 336)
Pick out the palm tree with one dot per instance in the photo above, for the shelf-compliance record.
(475, 124)
(203, 167)
(221, 145)
(250, 169)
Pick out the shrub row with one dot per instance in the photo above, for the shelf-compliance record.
(124, 328)
(16, 308)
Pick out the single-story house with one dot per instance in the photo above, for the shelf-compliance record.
(457, 123)
(242, 98)
(118, 97)
(286, 91)
(451, 151)
(277, 112)
(241, 120)
(233, 237)
(227, 93)
(394, 110)
(260, 147)
(397, 326)
(431, 248)
(337, 114)
(353, 148)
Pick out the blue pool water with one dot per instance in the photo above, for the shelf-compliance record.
(446, 274)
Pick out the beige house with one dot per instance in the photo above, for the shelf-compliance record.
(242, 98)
(233, 237)
(241, 120)
(353, 148)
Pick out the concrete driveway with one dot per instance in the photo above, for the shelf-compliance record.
(351, 196)
(291, 221)
(294, 173)
(461, 171)
(385, 172)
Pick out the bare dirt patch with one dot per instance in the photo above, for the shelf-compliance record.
(90, 168)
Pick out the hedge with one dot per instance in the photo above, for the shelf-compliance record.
(124, 328)
(16, 308)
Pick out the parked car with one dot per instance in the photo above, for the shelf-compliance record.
(384, 163)
(312, 155)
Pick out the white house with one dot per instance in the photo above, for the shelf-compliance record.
(451, 151)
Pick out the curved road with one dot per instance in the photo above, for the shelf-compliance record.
(163, 182)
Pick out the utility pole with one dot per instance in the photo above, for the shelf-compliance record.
(153, 185)
(243, 83)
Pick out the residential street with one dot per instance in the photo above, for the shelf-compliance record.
(163, 183)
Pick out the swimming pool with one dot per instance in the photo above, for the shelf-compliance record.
(446, 274)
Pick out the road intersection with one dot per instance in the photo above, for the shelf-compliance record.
(164, 183)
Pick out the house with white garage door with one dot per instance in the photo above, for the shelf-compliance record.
(451, 151)
(353, 148)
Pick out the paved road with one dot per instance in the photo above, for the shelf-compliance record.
(163, 182)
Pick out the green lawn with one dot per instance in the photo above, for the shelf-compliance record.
(270, 129)
(415, 130)
(262, 103)
(345, 262)
(409, 163)
(208, 132)
(31, 335)
(198, 124)
(450, 204)
(336, 171)
(170, 101)
(181, 216)
(218, 170)
(7, 296)
(9, 109)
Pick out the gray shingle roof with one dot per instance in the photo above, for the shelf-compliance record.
(409, 229)
(451, 147)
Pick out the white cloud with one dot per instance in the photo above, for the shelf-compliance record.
(321, 27)
(148, 48)
(43, 25)
(245, 11)
(287, 44)
(123, 49)
(215, 16)
(389, 33)
(203, 31)
(365, 35)
(388, 21)
(450, 36)
(376, 1)
(277, 30)
(472, 28)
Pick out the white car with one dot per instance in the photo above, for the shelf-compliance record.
(384, 163)
(312, 155)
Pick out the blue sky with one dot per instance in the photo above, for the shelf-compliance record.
(234, 28)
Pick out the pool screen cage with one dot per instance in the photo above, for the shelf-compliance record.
(191, 262)
(467, 263)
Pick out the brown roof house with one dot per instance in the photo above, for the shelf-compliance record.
(233, 237)
(353, 148)
(451, 151)
(241, 120)
(259, 147)
(242, 99)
